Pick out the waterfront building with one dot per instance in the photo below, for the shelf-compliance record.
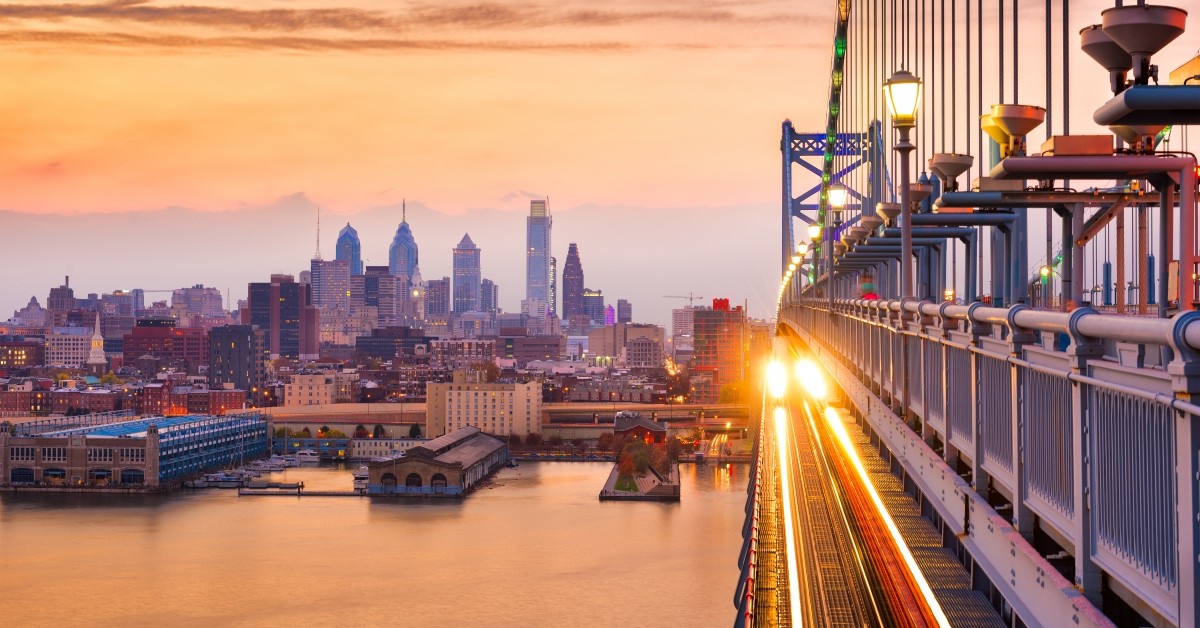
(450, 465)
(537, 251)
(632, 425)
(402, 256)
(719, 349)
(349, 249)
(467, 277)
(238, 357)
(371, 448)
(497, 407)
(572, 284)
(593, 305)
(330, 284)
(284, 309)
(114, 451)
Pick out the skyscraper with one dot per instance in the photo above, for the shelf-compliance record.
(572, 284)
(467, 277)
(283, 309)
(553, 302)
(537, 251)
(624, 311)
(489, 296)
(437, 297)
(238, 356)
(720, 337)
(331, 284)
(593, 305)
(349, 249)
(402, 257)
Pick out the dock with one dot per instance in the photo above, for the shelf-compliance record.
(298, 492)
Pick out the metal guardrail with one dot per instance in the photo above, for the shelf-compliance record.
(1084, 423)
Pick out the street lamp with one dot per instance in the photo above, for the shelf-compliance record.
(903, 96)
(814, 231)
(837, 195)
(802, 249)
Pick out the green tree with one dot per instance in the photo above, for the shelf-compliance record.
(514, 441)
(361, 432)
(604, 443)
(379, 432)
(110, 378)
(414, 431)
(625, 468)
(533, 440)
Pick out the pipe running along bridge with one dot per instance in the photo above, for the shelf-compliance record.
(953, 435)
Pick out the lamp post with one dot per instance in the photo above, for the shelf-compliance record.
(836, 194)
(903, 95)
(798, 257)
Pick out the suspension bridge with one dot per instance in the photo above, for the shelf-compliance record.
(952, 434)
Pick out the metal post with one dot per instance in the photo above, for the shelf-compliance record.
(905, 148)
(1165, 231)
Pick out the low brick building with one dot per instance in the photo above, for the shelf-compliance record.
(448, 466)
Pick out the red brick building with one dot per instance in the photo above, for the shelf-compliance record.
(182, 348)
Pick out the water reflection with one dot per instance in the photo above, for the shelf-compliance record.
(536, 547)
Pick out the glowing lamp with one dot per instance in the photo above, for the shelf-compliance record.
(902, 93)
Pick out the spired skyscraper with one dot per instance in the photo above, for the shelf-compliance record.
(537, 252)
(572, 284)
(349, 249)
(467, 277)
(402, 257)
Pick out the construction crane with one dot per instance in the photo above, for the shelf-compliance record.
(690, 298)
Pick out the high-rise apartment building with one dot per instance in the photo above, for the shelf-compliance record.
(553, 302)
(437, 297)
(198, 300)
(720, 339)
(238, 357)
(624, 311)
(572, 284)
(467, 277)
(489, 296)
(402, 257)
(593, 305)
(60, 301)
(284, 309)
(537, 251)
(330, 284)
(349, 249)
(496, 408)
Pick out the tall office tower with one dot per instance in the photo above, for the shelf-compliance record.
(467, 276)
(610, 315)
(593, 305)
(489, 296)
(349, 249)
(331, 284)
(402, 257)
(139, 299)
(60, 301)
(198, 300)
(553, 302)
(537, 251)
(237, 356)
(572, 284)
(437, 297)
(283, 309)
(376, 288)
(682, 321)
(720, 341)
(624, 311)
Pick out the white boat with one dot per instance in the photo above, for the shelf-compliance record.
(308, 456)
(361, 477)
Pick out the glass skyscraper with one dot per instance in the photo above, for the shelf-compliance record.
(350, 249)
(537, 252)
(572, 284)
(402, 257)
(467, 277)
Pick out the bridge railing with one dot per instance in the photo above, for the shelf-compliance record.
(1084, 424)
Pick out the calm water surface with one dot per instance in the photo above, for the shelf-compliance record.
(535, 549)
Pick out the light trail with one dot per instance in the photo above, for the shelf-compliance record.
(811, 379)
(839, 430)
(789, 528)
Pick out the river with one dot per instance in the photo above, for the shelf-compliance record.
(535, 548)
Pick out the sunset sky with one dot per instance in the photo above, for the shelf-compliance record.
(644, 122)
(159, 144)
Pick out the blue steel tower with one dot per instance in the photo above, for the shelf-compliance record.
(537, 252)
(350, 249)
(402, 257)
